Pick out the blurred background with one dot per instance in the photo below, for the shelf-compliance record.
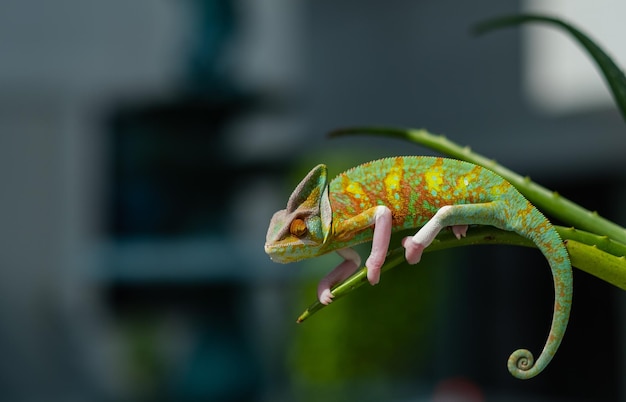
(144, 146)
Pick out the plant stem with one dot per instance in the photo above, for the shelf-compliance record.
(594, 258)
(546, 200)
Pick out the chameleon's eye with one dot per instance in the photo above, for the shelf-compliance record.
(297, 227)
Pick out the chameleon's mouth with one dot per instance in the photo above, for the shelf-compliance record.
(277, 253)
(291, 251)
(269, 250)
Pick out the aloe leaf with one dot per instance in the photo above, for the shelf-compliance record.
(598, 263)
(596, 255)
(548, 201)
(613, 75)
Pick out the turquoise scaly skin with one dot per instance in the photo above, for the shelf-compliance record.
(372, 200)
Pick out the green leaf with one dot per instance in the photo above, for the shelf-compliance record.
(598, 263)
(613, 75)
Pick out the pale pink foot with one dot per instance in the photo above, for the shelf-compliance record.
(413, 251)
(414, 246)
(459, 231)
(380, 244)
(326, 297)
(351, 262)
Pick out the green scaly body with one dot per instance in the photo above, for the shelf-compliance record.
(322, 217)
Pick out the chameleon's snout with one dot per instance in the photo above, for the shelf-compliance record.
(274, 252)
(290, 252)
(268, 250)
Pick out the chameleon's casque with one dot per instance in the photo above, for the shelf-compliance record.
(372, 200)
(302, 229)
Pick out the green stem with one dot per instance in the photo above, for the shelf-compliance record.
(596, 262)
(593, 254)
(602, 243)
(550, 202)
(394, 258)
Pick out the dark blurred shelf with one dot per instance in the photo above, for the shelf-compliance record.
(190, 259)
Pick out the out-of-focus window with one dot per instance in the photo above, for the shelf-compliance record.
(559, 76)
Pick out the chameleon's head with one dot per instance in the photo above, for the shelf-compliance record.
(301, 230)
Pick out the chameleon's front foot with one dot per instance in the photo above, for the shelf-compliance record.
(324, 295)
(351, 262)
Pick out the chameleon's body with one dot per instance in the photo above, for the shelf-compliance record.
(372, 200)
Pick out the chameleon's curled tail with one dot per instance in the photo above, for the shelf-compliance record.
(521, 363)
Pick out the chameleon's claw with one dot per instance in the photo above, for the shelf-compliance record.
(373, 274)
(341, 272)
(383, 221)
(413, 251)
(325, 297)
(459, 231)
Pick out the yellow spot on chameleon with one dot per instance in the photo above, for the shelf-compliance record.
(434, 178)
(500, 189)
(356, 189)
(392, 184)
(392, 181)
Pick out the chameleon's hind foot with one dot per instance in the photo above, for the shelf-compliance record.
(412, 250)
(459, 231)
(415, 245)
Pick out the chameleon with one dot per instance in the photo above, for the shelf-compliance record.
(371, 201)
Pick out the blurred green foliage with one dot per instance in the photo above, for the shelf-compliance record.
(380, 335)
